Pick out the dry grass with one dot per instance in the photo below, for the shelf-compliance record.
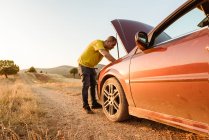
(64, 85)
(42, 77)
(70, 88)
(18, 109)
(20, 113)
(57, 82)
(17, 103)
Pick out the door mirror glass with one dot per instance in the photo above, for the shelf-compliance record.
(141, 37)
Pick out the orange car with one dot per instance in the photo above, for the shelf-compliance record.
(168, 82)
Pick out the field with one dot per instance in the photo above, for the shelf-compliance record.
(49, 106)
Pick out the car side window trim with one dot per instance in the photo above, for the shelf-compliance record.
(169, 20)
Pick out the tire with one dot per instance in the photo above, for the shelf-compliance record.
(114, 102)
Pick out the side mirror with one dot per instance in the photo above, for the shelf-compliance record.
(142, 39)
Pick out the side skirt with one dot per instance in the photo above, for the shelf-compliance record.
(185, 124)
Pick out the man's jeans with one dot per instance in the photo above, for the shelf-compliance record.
(88, 76)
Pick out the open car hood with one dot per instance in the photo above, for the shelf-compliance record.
(127, 29)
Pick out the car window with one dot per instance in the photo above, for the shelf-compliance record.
(186, 24)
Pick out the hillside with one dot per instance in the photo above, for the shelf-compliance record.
(63, 70)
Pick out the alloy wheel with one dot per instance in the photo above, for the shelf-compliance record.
(111, 99)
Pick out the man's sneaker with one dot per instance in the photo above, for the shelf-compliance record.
(96, 106)
(88, 110)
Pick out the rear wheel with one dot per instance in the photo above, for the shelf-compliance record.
(114, 102)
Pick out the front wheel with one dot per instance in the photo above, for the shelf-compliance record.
(114, 102)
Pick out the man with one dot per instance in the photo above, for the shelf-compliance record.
(87, 62)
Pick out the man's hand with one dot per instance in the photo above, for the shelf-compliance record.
(107, 55)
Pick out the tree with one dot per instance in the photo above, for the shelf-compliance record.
(32, 69)
(74, 71)
(8, 67)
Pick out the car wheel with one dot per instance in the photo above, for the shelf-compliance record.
(114, 102)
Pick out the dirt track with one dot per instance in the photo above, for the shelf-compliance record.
(64, 113)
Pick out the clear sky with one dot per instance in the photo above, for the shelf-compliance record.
(50, 33)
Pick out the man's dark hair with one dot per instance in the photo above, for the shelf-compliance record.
(112, 38)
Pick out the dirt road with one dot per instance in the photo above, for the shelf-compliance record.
(64, 112)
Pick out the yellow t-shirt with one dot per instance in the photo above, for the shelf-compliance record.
(91, 55)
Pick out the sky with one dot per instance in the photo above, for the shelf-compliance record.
(51, 33)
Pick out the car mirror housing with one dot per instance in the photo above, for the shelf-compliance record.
(141, 37)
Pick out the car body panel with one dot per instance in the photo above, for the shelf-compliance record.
(179, 81)
(122, 75)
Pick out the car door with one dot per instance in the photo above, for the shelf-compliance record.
(172, 77)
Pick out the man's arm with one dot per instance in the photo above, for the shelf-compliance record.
(107, 55)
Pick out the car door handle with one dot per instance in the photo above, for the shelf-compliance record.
(207, 48)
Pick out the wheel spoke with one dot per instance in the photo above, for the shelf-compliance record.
(115, 94)
(111, 89)
(106, 93)
(116, 105)
(111, 109)
(106, 103)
